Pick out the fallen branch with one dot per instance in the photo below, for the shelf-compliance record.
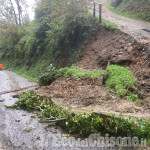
(16, 90)
(48, 120)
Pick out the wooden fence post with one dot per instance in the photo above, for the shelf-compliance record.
(100, 13)
(94, 9)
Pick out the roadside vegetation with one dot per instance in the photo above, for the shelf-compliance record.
(52, 74)
(118, 79)
(75, 123)
(55, 36)
(122, 82)
(108, 24)
(131, 8)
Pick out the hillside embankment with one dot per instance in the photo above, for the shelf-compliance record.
(106, 48)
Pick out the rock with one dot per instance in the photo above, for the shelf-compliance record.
(130, 49)
(28, 129)
(102, 62)
(1, 100)
(17, 120)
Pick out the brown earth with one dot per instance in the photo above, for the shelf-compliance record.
(107, 47)
(116, 47)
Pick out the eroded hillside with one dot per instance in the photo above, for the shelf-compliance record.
(106, 48)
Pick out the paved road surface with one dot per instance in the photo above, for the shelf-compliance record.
(13, 123)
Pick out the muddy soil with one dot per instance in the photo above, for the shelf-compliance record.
(116, 47)
(107, 47)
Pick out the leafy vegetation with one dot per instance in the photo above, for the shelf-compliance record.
(108, 24)
(76, 122)
(52, 74)
(121, 80)
(117, 78)
(131, 8)
(55, 36)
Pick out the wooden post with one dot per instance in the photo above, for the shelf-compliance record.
(94, 9)
(100, 13)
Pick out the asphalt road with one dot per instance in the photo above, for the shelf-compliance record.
(18, 129)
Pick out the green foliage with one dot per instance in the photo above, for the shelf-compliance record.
(108, 24)
(31, 101)
(55, 36)
(120, 79)
(52, 74)
(132, 8)
(115, 3)
(48, 77)
(133, 98)
(73, 72)
(76, 122)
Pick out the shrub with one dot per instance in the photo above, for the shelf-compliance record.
(55, 36)
(52, 74)
(48, 77)
(115, 3)
(86, 123)
(120, 79)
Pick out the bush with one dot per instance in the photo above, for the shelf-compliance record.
(119, 79)
(52, 74)
(133, 8)
(86, 123)
(55, 36)
(48, 77)
(115, 3)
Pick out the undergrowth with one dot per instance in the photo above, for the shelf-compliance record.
(83, 124)
(57, 35)
(52, 74)
(131, 8)
(121, 81)
(118, 79)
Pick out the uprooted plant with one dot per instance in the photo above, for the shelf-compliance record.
(82, 124)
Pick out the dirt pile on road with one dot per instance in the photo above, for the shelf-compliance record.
(116, 47)
(107, 47)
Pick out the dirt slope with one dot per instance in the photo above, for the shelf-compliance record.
(116, 47)
(107, 47)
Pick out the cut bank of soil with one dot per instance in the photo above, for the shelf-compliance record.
(107, 47)
(116, 47)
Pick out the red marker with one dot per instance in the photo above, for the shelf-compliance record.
(1, 66)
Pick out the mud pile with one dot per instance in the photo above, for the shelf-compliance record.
(107, 47)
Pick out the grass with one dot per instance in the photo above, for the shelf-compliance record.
(73, 72)
(109, 24)
(121, 81)
(52, 74)
(131, 9)
(125, 14)
(106, 22)
(20, 71)
(27, 76)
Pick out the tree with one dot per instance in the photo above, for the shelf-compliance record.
(14, 11)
